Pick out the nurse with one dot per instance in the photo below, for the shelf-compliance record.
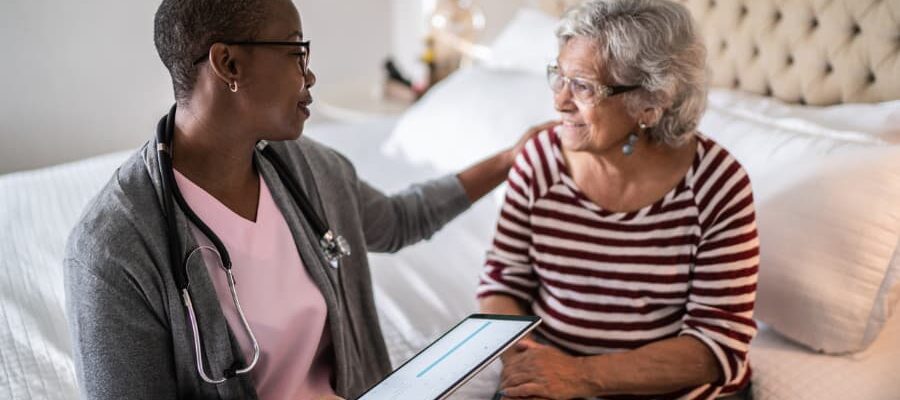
(152, 311)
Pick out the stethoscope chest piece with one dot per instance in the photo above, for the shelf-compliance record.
(334, 247)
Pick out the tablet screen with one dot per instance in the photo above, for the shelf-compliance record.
(449, 361)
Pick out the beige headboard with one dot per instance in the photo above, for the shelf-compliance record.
(816, 52)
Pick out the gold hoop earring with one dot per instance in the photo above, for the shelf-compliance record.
(233, 86)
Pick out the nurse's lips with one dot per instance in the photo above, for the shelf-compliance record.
(304, 106)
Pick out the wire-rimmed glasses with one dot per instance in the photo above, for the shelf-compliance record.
(584, 91)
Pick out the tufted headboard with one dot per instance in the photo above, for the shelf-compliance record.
(815, 52)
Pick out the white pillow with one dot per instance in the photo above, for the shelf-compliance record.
(877, 119)
(527, 43)
(761, 142)
(828, 204)
(829, 229)
(470, 115)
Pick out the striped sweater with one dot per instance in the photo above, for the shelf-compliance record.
(611, 281)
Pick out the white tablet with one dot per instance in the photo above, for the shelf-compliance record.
(453, 359)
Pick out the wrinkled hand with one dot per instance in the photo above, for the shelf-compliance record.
(535, 371)
(534, 130)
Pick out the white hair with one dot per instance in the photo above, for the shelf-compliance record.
(651, 43)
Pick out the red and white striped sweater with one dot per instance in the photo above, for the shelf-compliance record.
(605, 282)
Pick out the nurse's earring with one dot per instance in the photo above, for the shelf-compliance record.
(233, 86)
(628, 148)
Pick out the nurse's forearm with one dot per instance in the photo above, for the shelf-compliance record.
(660, 367)
(484, 176)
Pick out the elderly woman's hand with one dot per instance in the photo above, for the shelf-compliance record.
(534, 130)
(534, 370)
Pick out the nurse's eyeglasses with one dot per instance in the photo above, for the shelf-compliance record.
(303, 51)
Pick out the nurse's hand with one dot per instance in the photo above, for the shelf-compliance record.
(484, 176)
(534, 370)
(534, 130)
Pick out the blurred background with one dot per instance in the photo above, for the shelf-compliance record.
(82, 78)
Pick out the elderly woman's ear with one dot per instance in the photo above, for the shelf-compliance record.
(650, 116)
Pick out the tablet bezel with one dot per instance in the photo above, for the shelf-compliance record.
(533, 321)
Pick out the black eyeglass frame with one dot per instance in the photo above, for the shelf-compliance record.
(605, 90)
(304, 44)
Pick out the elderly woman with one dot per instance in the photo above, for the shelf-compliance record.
(628, 232)
(153, 308)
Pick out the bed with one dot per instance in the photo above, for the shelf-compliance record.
(806, 95)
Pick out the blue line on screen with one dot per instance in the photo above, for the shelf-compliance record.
(447, 354)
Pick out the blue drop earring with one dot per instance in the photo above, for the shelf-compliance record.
(628, 148)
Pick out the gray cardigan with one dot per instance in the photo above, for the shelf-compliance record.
(130, 331)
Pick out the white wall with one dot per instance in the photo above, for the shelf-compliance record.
(350, 38)
(82, 78)
(78, 78)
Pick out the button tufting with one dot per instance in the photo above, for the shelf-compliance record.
(768, 90)
(856, 29)
(712, 3)
(778, 16)
(802, 101)
(743, 11)
(790, 60)
(755, 51)
(724, 45)
(828, 68)
(870, 78)
(736, 83)
(815, 23)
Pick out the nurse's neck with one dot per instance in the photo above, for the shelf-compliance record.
(214, 151)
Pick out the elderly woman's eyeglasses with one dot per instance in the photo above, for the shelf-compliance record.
(302, 53)
(583, 90)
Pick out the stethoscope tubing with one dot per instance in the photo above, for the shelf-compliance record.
(333, 246)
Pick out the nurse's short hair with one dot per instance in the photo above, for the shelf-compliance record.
(651, 43)
(183, 30)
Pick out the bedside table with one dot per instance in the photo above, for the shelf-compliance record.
(355, 102)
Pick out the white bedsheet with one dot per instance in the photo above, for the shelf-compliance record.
(37, 211)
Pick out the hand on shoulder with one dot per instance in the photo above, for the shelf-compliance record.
(530, 133)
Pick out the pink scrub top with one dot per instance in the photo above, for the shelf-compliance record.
(284, 308)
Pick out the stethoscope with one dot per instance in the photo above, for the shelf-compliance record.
(333, 246)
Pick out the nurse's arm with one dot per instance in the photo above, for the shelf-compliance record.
(122, 348)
